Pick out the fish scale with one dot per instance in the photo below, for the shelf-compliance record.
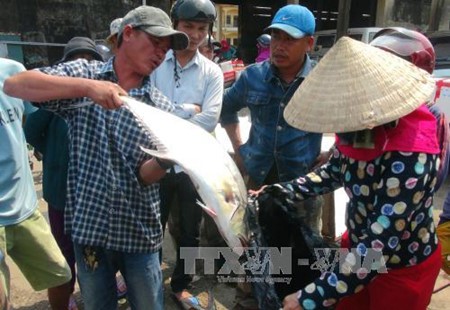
(211, 169)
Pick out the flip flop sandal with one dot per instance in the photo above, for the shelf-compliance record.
(72, 303)
(188, 303)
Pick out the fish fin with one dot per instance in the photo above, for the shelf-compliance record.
(244, 240)
(235, 209)
(156, 153)
(210, 211)
(211, 304)
(136, 107)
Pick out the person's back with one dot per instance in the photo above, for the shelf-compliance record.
(48, 134)
(24, 232)
(417, 48)
(379, 161)
(17, 195)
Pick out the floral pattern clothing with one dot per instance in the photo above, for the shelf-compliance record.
(390, 213)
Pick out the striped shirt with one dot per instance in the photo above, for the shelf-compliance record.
(107, 206)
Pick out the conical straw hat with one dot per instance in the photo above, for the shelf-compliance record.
(357, 86)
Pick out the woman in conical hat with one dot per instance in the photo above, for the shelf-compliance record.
(386, 158)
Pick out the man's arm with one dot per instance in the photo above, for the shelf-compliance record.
(153, 170)
(234, 134)
(212, 102)
(37, 86)
(233, 101)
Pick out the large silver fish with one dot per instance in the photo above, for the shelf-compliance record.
(202, 157)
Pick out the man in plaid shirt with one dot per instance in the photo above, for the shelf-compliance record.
(112, 208)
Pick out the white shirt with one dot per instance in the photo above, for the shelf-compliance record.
(200, 82)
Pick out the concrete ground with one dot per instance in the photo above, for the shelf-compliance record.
(24, 298)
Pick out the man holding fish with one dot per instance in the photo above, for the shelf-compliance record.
(112, 208)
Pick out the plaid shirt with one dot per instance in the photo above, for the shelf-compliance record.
(107, 206)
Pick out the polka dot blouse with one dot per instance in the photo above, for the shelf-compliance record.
(389, 218)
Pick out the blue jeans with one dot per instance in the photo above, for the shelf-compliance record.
(97, 269)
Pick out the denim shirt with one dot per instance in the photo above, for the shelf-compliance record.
(272, 141)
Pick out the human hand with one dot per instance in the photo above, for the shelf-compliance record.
(256, 193)
(290, 302)
(164, 163)
(187, 110)
(153, 170)
(277, 191)
(105, 93)
(321, 159)
(194, 108)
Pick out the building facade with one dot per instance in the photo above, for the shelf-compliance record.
(34, 32)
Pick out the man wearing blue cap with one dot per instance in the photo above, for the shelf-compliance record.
(275, 151)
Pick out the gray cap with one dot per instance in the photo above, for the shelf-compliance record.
(114, 28)
(155, 22)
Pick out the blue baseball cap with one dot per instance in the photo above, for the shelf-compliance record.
(296, 20)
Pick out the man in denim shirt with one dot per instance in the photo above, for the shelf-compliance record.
(112, 210)
(275, 151)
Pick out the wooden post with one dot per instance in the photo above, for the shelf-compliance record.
(435, 15)
(343, 18)
(328, 218)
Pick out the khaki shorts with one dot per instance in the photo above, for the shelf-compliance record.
(443, 232)
(4, 302)
(32, 247)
